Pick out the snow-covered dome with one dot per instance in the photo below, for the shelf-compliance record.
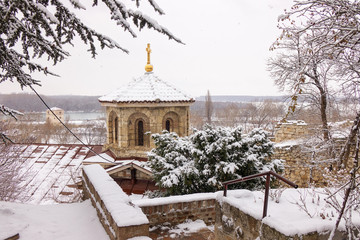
(147, 88)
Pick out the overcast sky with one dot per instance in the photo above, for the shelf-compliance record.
(226, 47)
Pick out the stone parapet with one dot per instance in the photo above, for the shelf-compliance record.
(233, 224)
(175, 210)
(119, 217)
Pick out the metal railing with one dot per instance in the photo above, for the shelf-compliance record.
(267, 185)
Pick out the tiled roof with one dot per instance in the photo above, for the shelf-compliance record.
(147, 88)
(48, 173)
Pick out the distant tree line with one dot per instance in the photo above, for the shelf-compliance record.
(25, 102)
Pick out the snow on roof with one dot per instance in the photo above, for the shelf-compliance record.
(101, 158)
(56, 109)
(48, 173)
(114, 198)
(122, 164)
(147, 88)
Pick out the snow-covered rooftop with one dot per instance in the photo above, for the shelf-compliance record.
(147, 88)
(47, 173)
(56, 109)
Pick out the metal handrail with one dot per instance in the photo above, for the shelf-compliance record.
(267, 185)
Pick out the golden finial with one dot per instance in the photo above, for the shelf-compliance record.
(148, 66)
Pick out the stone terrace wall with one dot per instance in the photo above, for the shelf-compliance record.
(290, 130)
(177, 209)
(233, 224)
(299, 167)
(119, 217)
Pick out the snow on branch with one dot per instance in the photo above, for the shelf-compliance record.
(141, 20)
(9, 112)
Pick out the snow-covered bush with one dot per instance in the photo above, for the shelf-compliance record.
(202, 161)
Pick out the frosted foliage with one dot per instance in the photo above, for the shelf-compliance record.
(202, 161)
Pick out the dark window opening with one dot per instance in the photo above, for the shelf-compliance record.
(140, 133)
(116, 129)
(167, 125)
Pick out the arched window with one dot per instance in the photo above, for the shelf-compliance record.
(116, 129)
(168, 125)
(140, 133)
(112, 128)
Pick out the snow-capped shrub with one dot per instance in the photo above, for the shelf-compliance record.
(202, 161)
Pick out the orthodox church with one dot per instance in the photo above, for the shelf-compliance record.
(51, 173)
(144, 106)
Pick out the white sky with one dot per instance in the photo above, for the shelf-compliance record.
(227, 44)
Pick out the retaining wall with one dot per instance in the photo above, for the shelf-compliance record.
(177, 209)
(233, 224)
(120, 218)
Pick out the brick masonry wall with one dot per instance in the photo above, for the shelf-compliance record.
(175, 213)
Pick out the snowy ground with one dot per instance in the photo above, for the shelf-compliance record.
(296, 211)
(79, 220)
(55, 222)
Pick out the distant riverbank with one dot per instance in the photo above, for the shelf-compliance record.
(69, 116)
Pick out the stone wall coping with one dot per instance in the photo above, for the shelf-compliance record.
(288, 143)
(140, 238)
(175, 199)
(115, 200)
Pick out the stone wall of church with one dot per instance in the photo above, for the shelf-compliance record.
(124, 144)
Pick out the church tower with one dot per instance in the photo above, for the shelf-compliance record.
(145, 106)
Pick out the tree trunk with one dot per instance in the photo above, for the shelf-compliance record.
(345, 152)
(323, 104)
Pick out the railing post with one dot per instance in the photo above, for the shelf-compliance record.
(267, 185)
(266, 198)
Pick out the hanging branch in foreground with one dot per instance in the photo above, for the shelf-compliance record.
(36, 29)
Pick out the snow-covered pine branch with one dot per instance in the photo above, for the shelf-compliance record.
(33, 29)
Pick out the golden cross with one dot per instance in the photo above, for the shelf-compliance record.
(148, 53)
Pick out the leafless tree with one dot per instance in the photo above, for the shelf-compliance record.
(302, 70)
(93, 132)
(10, 164)
(209, 108)
(229, 116)
(332, 29)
